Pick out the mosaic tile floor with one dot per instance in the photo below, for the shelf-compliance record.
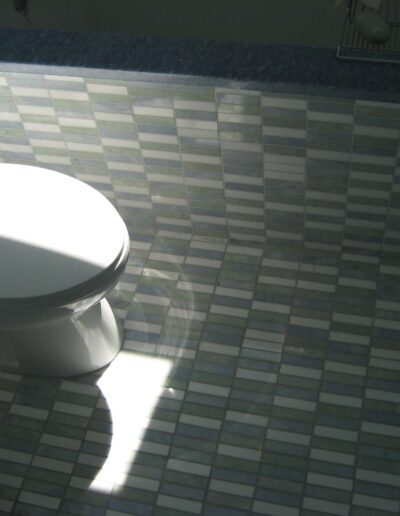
(254, 379)
(260, 372)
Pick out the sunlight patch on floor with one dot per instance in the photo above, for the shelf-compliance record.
(131, 385)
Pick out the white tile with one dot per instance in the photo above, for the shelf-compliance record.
(380, 429)
(249, 180)
(246, 210)
(6, 505)
(266, 336)
(229, 311)
(114, 117)
(246, 418)
(284, 159)
(26, 411)
(244, 250)
(50, 144)
(270, 307)
(283, 102)
(205, 183)
(274, 509)
(10, 480)
(153, 448)
(45, 128)
(29, 92)
(153, 111)
(6, 395)
(181, 504)
(326, 506)
(390, 325)
(189, 467)
(243, 224)
(288, 437)
(10, 117)
(108, 89)
(12, 147)
(339, 118)
(393, 365)
(158, 138)
(229, 144)
(341, 367)
(373, 502)
(50, 502)
(334, 457)
(336, 433)
(344, 401)
(328, 155)
(233, 292)
(126, 167)
(256, 376)
(57, 160)
(239, 452)
(303, 372)
(196, 124)
(220, 349)
(77, 122)
(294, 403)
(69, 95)
(200, 158)
(276, 280)
(205, 422)
(390, 397)
(152, 300)
(36, 110)
(194, 105)
(148, 153)
(239, 119)
(389, 354)
(263, 345)
(231, 488)
(72, 408)
(373, 160)
(187, 315)
(286, 132)
(53, 464)
(309, 323)
(205, 388)
(84, 147)
(61, 442)
(351, 338)
(330, 481)
(203, 262)
(15, 456)
(147, 484)
(352, 319)
(280, 264)
(314, 285)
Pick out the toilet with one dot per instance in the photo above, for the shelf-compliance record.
(63, 247)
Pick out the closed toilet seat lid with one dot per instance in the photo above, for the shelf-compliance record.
(56, 232)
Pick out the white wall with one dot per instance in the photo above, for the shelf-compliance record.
(302, 22)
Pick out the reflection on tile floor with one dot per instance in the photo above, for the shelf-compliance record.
(271, 386)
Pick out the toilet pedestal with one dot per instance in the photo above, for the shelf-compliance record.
(63, 248)
(68, 348)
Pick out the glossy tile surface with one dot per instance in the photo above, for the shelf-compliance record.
(260, 368)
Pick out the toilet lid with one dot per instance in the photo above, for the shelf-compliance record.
(56, 232)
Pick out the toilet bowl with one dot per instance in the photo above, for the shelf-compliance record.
(63, 247)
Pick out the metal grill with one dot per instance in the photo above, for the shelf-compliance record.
(354, 46)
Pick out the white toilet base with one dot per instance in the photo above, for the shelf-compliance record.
(68, 348)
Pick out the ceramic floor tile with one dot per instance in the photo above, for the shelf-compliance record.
(259, 371)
